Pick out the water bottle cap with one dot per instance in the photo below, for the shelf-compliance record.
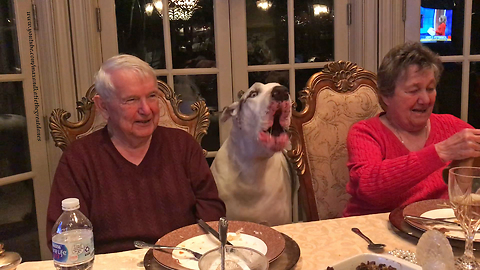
(70, 204)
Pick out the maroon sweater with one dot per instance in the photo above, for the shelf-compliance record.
(172, 187)
(385, 175)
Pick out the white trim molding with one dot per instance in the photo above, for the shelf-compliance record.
(363, 33)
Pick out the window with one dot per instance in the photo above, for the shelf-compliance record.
(457, 91)
(205, 54)
(23, 170)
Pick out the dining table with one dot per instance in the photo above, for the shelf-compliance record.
(322, 243)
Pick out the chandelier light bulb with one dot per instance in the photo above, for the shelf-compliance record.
(264, 4)
(319, 10)
(158, 5)
(149, 9)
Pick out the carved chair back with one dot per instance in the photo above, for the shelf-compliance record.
(65, 132)
(333, 100)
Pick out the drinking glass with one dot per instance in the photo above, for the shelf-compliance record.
(236, 258)
(464, 193)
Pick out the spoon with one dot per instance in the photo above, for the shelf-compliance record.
(371, 245)
(141, 244)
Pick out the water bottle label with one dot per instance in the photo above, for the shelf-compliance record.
(73, 253)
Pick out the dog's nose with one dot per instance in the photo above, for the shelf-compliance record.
(280, 93)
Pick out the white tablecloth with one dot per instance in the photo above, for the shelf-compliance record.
(322, 243)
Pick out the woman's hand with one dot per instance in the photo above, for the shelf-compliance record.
(461, 145)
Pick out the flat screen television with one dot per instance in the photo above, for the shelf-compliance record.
(435, 25)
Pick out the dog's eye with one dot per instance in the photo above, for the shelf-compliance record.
(252, 94)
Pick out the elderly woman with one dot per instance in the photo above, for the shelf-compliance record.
(441, 27)
(135, 180)
(397, 157)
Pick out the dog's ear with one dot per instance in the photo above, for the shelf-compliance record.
(240, 94)
(229, 111)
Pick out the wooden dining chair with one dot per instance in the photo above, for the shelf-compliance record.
(333, 99)
(65, 132)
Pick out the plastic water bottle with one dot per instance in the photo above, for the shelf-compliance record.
(72, 238)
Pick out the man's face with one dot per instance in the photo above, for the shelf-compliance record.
(132, 111)
(412, 103)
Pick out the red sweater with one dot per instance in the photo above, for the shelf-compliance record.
(172, 187)
(441, 29)
(385, 175)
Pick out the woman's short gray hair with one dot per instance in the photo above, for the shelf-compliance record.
(442, 18)
(103, 82)
(397, 61)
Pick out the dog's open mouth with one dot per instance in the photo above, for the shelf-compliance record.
(276, 129)
(274, 134)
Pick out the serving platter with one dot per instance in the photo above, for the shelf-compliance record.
(389, 260)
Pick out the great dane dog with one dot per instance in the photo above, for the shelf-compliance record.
(252, 174)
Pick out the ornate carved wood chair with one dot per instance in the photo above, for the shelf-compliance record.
(334, 99)
(64, 132)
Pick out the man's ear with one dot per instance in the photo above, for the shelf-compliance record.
(229, 111)
(101, 106)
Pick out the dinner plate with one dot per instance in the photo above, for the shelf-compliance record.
(401, 227)
(435, 209)
(286, 261)
(241, 233)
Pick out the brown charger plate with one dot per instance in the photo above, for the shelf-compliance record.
(421, 207)
(403, 228)
(285, 261)
(418, 208)
(273, 239)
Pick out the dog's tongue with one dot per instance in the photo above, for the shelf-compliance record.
(273, 143)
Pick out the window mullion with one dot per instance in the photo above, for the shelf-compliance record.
(467, 27)
(167, 40)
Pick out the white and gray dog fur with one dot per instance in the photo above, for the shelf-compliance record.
(251, 172)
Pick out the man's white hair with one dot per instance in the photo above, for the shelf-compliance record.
(103, 82)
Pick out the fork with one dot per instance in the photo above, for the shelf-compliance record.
(141, 244)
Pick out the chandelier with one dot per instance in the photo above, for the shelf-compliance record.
(185, 4)
(177, 9)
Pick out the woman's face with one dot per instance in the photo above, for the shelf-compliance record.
(412, 102)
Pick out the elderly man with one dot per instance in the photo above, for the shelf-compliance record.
(135, 180)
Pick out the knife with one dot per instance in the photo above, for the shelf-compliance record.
(211, 230)
(222, 231)
(431, 221)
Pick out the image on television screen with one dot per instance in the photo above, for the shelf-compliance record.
(435, 25)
